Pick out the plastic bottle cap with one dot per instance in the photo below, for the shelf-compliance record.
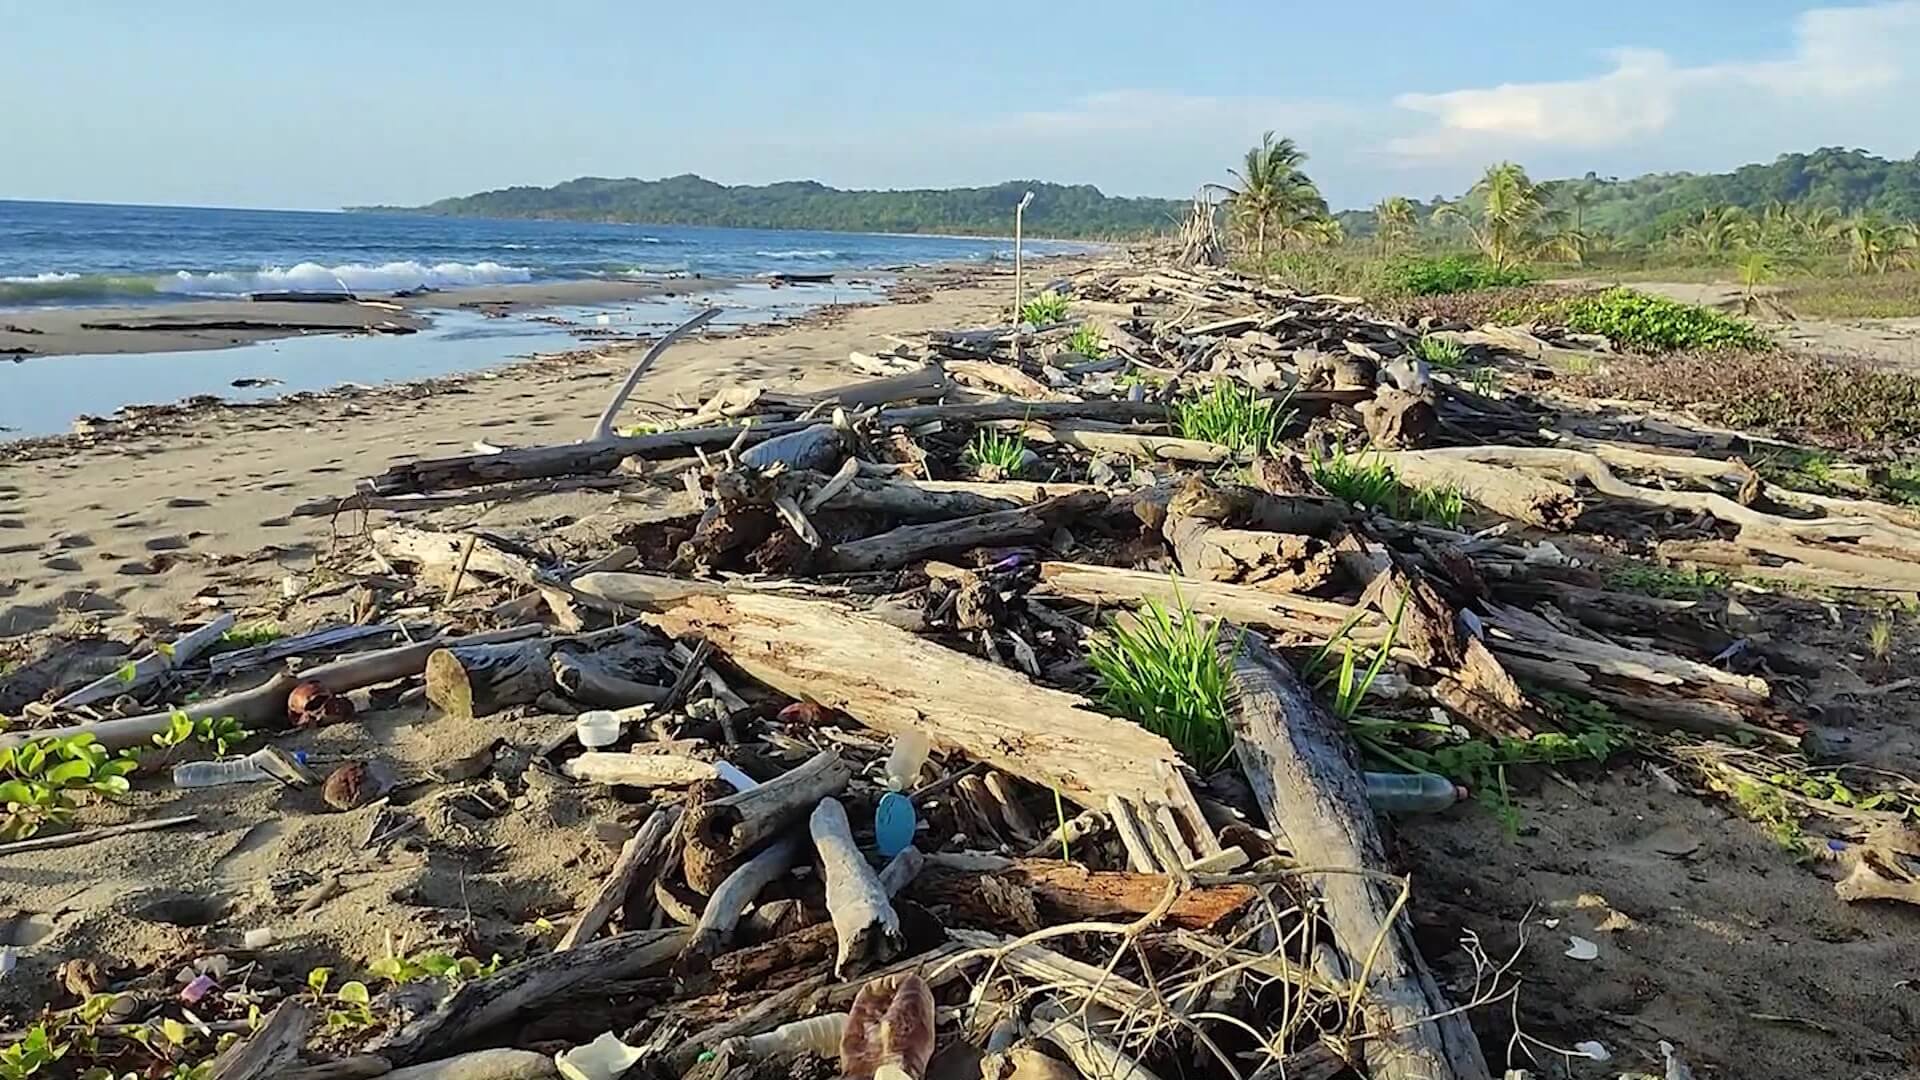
(894, 822)
(597, 729)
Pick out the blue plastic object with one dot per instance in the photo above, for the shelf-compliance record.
(893, 823)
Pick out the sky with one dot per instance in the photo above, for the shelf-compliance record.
(315, 106)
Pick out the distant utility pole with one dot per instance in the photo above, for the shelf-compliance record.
(1019, 269)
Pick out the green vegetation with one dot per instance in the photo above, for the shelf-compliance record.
(349, 1010)
(398, 968)
(1767, 806)
(1272, 200)
(1369, 481)
(247, 636)
(1087, 342)
(1636, 320)
(47, 779)
(1045, 309)
(1436, 275)
(1893, 295)
(1444, 354)
(1880, 638)
(1058, 210)
(1163, 669)
(1511, 221)
(1234, 416)
(36, 1050)
(1002, 453)
(219, 733)
(1667, 583)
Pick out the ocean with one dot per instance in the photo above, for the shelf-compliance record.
(82, 253)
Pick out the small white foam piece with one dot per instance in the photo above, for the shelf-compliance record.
(1594, 1049)
(1579, 948)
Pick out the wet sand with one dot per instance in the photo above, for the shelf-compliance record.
(27, 333)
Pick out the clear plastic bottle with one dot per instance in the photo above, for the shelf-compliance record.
(240, 770)
(1411, 793)
(910, 750)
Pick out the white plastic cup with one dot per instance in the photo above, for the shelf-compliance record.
(597, 729)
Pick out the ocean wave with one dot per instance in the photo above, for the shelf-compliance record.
(349, 277)
(820, 253)
(54, 286)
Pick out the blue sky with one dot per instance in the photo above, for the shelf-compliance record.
(216, 102)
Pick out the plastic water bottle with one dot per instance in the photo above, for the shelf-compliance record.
(910, 750)
(240, 770)
(1411, 793)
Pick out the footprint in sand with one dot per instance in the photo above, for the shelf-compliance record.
(136, 523)
(12, 523)
(277, 485)
(185, 503)
(70, 541)
(166, 543)
(276, 523)
(62, 563)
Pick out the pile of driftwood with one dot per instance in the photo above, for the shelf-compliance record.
(1079, 898)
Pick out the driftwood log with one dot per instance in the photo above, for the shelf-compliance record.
(864, 922)
(149, 668)
(1307, 783)
(536, 983)
(265, 706)
(499, 1064)
(903, 545)
(730, 900)
(265, 1054)
(739, 822)
(893, 681)
(641, 859)
(1068, 892)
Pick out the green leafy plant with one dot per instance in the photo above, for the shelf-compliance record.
(1234, 416)
(38, 1049)
(1370, 481)
(1349, 689)
(1443, 353)
(1045, 309)
(398, 969)
(1003, 453)
(1453, 274)
(220, 733)
(248, 636)
(1880, 638)
(1666, 582)
(1164, 669)
(1639, 321)
(1767, 806)
(47, 778)
(348, 1009)
(1087, 342)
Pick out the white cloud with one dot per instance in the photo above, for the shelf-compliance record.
(1838, 54)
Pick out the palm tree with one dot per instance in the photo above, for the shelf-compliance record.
(1274, 198)
(1394, 219)
(1714, 230)
(1514, 223)
(1871, 243)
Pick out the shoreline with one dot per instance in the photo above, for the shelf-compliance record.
(185, 507)
(205, 324)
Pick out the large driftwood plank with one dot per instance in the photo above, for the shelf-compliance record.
(540, 982)
(1307, 782)
(893, 681)
(898, 547)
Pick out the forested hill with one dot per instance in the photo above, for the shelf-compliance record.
(1079, 211)
(1650, 206)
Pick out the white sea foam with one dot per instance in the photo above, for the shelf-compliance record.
(352, 277)
(46, 278)
(820, 253)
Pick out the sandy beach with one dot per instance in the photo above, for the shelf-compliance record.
(127, 529)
